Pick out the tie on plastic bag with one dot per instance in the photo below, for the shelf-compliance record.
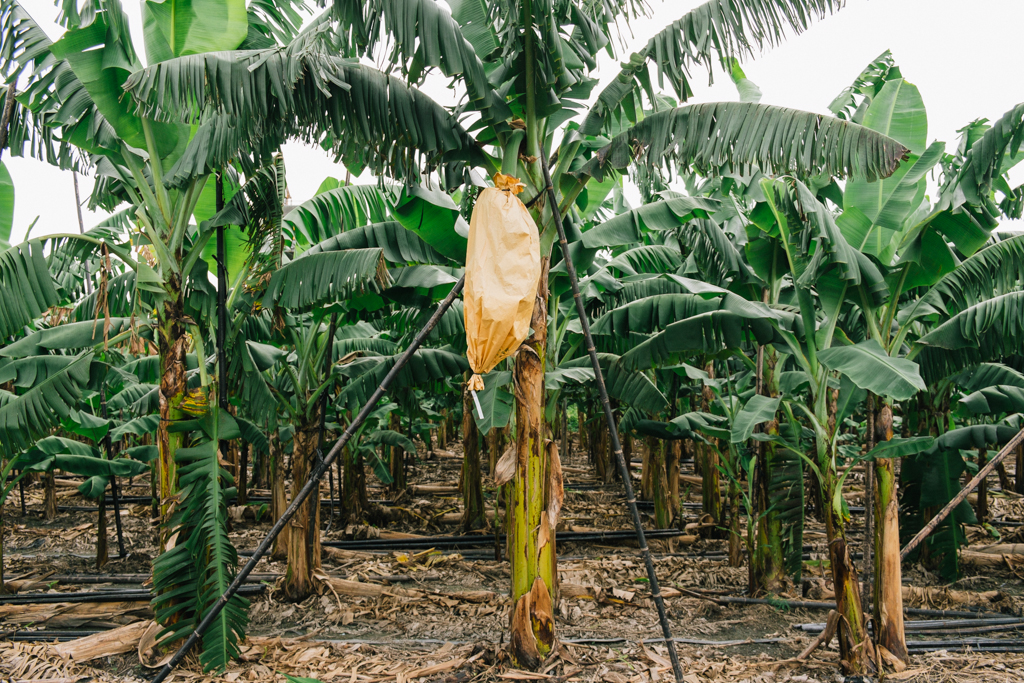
(502, 273)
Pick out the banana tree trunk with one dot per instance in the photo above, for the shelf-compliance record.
(353, 489)
(49, 497)
(396, 463)
(530, 536)
(154, 499)
(767, 566)
(583, 436)
(981, 510)
(735, 532)
(646, 467)
(855, 649)
(3, 588)
(474, 515)
(1019, 470)
(672, 459)
(655, 465)
(602, 453)
(888, 602)
(304, 529)
(627, 445)
(564, 430)
(495, 444)
(102, 551)
(173, 391)
(243, 473)
(278, 498)
(711, 488)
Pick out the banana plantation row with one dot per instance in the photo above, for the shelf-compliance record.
(789, 301)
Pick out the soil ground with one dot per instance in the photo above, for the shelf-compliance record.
(443, 615)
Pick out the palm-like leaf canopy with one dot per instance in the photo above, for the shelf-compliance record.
(717, 29)
(371, 119)
(738, 137)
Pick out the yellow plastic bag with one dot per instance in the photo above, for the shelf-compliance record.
(502, 273)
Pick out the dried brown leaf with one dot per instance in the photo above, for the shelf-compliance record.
(506, 467)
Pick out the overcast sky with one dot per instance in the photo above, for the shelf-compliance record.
(965, 56)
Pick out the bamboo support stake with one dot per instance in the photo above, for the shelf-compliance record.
(971, 485)
(620, 460)
(311, 485)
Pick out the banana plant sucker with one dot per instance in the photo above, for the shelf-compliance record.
(309, 376)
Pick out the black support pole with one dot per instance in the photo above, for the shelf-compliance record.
(620, 460)
(21, 487)
(114, 497)
(312, 485)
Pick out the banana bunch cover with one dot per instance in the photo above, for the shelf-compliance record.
(502, 272)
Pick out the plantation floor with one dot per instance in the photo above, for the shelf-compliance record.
(405, 614)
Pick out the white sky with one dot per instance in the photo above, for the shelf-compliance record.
(963, 55)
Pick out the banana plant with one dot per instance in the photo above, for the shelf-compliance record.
(556, 46)
(891, 222)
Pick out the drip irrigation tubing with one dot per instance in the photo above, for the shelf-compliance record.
(324, 502)
(129, 578)
(46, 636)
(973, 629)
(488, 541)
(925, 625)
(975, 644)
(1006, 645)
(807, 604)
(121, 595)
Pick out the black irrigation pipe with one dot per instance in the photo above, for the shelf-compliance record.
(968, 647)
(678, 641)
(997, 623)
(719, 554)
(433, 642)
(920, 646)
(487, 541)
(805, 604)
(310, 486)
(49, 557)
(45, 636)
(969, 629)
(123, 595)
(127, 578)
(609, 417)
(974, 644)
(55, 633)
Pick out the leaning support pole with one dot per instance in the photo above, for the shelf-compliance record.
(620, 460)
(971, 485)
(313, 484)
